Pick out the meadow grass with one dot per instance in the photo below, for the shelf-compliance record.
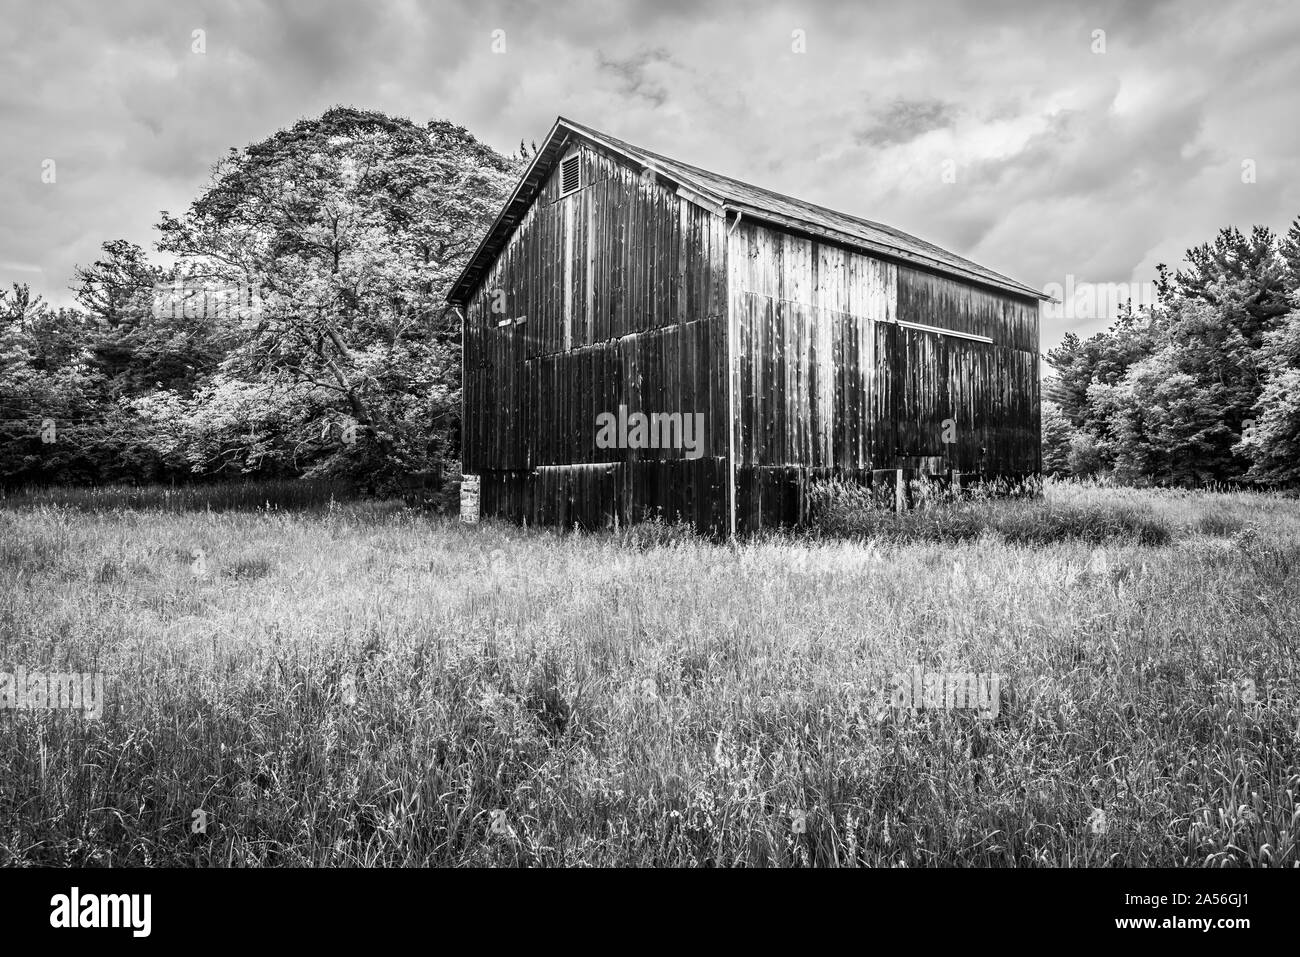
(211, 496)
(362, 684)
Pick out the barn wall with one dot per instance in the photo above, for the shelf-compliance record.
(806, 359)
(990, 390)
(827, 384)
(614, 295)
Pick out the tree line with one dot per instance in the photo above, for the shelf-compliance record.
(1200, 387)
(300, 331)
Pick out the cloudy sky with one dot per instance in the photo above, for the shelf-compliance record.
(1044, 141)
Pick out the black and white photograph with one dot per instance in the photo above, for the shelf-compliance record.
(444, 440)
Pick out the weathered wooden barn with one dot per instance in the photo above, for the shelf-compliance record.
(805, 343)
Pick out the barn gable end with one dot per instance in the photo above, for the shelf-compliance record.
(610, 298)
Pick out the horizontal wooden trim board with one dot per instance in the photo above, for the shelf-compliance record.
(700, 200)
(943, 332)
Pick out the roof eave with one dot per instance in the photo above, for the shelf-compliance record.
(465, 283)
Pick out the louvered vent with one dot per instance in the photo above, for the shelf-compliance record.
(569, 175)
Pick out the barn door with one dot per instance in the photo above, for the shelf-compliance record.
(920, 401)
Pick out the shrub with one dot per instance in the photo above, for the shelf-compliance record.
(1085, 456)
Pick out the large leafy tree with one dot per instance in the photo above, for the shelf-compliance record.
(347, 230)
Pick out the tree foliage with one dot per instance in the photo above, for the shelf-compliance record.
(302, 328)
(1201, 387)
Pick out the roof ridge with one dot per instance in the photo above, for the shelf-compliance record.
(788, 211)
(891, 231)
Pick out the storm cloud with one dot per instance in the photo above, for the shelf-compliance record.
(1093, 142)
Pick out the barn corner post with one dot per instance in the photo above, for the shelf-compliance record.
(733, 377)
(460, 314)
(1038, 395)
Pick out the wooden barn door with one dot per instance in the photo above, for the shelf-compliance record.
(913, 365)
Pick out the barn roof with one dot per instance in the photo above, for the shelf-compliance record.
(753, 202)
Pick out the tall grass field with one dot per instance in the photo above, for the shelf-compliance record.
(315, 681)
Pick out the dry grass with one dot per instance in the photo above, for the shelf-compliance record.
(847, 510)
(366, 685)
(217, 497)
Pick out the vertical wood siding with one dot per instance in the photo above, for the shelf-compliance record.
(828, 383)
(624, 293)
